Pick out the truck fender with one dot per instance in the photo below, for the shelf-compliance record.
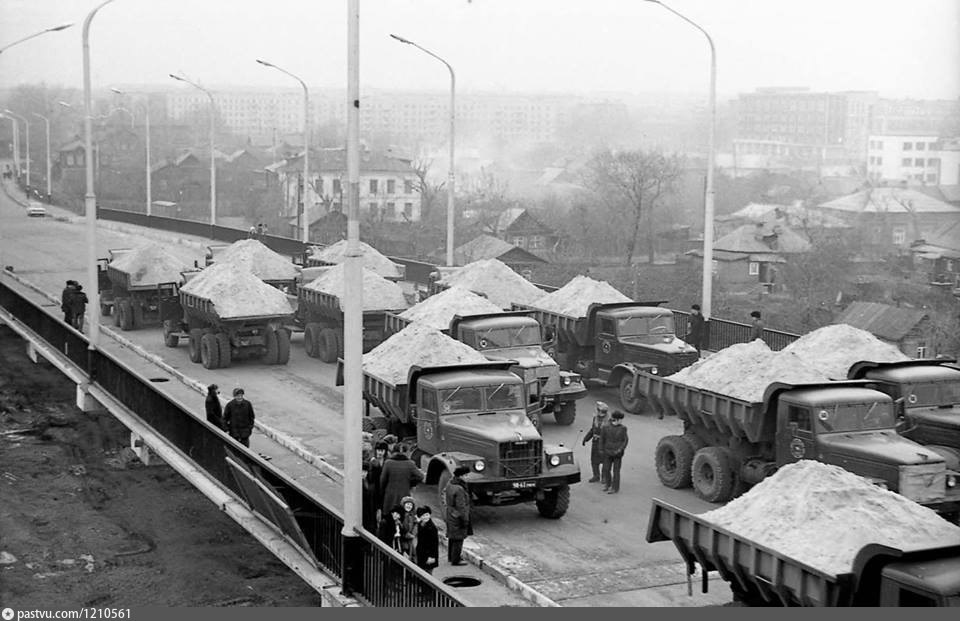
(629, 369)
(447, 461)
(949, 454)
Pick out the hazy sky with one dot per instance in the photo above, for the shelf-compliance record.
(902, 48)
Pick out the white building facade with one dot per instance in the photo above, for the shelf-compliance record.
(913, 159)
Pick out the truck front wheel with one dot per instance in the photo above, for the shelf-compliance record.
(631, 401)
(555, 502)
(674, 459)
(565, 413)
(209, 351)
(712, 474)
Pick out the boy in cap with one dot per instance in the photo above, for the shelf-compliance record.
(428, 540)
(613, 442)
(596, 459)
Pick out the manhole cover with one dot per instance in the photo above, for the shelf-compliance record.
(461, 581)
(159, 379)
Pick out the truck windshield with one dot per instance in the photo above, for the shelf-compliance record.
(644, 326)
(504, 397)
(472, 399)
(932, 394)
(461, 400)
(854, 417)
(519, 336)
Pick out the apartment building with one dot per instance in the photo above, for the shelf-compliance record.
(913, 159)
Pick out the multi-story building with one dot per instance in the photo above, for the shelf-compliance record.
(914, 159)
(940, 117)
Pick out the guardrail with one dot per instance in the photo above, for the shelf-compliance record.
(378, 576)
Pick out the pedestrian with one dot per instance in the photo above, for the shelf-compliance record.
(238, 418)
(457, 501)
(697, 328)
(428, 540)
(373, 494)
(65, 301)
(252, 234)
(613, 442)
(390, 530)
(756, 327)
(260, 230)
(398, 477)
(409, 519)
(214, 409)
(596, 459)
(78, 305)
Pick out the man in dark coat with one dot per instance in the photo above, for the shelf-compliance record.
(238, 418)
(399, 476)
(428, 541)
(457, 501)
(756, 326)
(373, 495)
(596, 459)
(696, 333)
(214, 409)
(613, 442)
(66, 305)
(78, 305)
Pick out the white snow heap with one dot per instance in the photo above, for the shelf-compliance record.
(150, 265)
(822, 515)
(744, 370)
(417, 344)
(259, 260)
(372, 258)
(834, 349)
(496, 280)
(237, 293)
(378, 292)
(437, 310)
(576, 296)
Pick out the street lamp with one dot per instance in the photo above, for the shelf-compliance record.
(453, 118)
(711, 155)
(304, 224)
(213, 158)
(146, 110)
(36, 34)
(16, 143)
(27, 123)
(47, 122)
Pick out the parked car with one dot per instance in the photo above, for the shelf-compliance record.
(36, 210)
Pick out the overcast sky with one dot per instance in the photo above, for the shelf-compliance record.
(901, 48)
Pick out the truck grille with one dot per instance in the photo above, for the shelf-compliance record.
(521, 459)
(669, 365)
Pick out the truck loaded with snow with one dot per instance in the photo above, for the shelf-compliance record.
(604, 336)
(139, 280)
(226, 313)
(320, 312)
(817, 535)
(747, 410)
(502, 336)
(460, 409)
(372, 259)
(491, 279)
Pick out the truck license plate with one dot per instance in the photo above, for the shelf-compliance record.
(524, 484)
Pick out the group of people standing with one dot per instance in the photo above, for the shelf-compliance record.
(73, 303)
(609, 442)
(236, 418)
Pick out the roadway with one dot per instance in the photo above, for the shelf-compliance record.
(596, 555)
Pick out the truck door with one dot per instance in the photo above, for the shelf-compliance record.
(607, 351)
(795, 440)
(428, 421)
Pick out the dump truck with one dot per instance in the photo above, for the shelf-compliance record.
(881, 575)
(613, 342)
(473, 415)
(516, 336)
(729, 444)
(926, 393)
(134, 291)
(216, 338)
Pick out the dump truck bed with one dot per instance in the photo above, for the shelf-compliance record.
(393, 323)
(575, 328)
(206, 309)
(385, 396)
(120, 278)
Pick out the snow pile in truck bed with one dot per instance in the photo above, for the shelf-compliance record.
(744, 371)
(150, 265)
(576, 296)
(378, 292)
(259, 260)
(494, 279)
(822, 515)
(372, 258)
(237, 292)
(417, 344)
(833, 349)
(437, 310)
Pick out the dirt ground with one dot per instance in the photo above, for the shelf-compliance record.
(84, 523)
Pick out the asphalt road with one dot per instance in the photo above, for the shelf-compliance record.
(596, 555)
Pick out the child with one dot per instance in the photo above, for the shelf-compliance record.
(410, 521)
(428, 541)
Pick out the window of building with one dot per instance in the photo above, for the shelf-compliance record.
(373, 186)
(872, 160)
(879, 144)
(933, 161)
(408, 210)
(931, 177)
(918, 162)
(921, 146)
(407, 186)
(922, 349)
(518, 240)
(899, 236)
(391, 186)
(906, 161)
(873, 144)
(753, 269)
(908, 146)
(537, 242)
(391, 211)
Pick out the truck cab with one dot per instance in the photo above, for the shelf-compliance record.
(644, 334)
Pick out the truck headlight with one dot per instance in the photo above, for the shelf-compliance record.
(654, 371)
(479, 466)
(554, 460)
(951, 481)
(565, 380)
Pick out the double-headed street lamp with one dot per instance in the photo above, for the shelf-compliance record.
(146, 111)
(453, 124)
(304, 223)
(711, 156)
(213, 156)
(16, 134)
(47, 122)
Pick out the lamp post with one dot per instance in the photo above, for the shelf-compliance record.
(16, 143)
(304, 224)
(213, 157)
(146, 124)
(36, 34)
(27, 123)
(453, 124)
(711, 156)
(47, 122)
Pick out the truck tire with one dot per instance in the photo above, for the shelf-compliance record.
(170, 339)
(311, 339)
(555, 502)
(223, 347)
(209, 351)
(565, 413)
(283, 346)
(631, 403)
(270, 338)
(327, 349)
(126, 315)
(712, 476)
(137, 315)
(195, 335)
(674, 460)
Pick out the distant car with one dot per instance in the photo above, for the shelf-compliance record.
(36, 210)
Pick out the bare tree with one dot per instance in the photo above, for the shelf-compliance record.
(635, 181)
(428, 191)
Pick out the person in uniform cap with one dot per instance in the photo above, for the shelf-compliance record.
(457, 501)
(596, 459)
(613, 442)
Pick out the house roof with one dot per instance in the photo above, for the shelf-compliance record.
(334, 160)
(887, 322)
(889, 200)
(489, 247)
(76, 143)
(756, 239)
(791, 215)
(509, 216)
(752, 211)
(947, 236)
(945, 193)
